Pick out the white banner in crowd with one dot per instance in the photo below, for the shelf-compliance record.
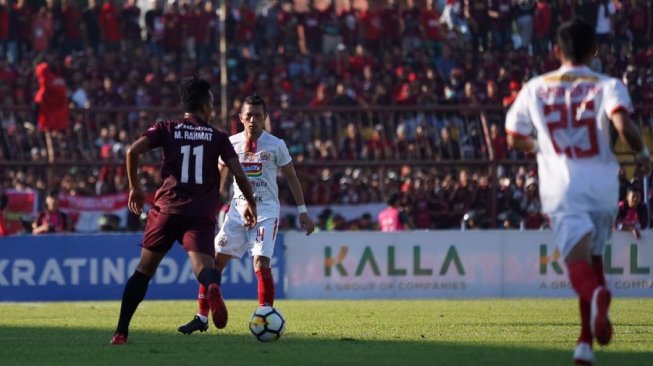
(451, 264)
(85, 211)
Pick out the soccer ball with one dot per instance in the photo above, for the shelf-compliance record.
(267, 324)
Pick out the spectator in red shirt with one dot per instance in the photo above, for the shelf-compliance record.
(542, 27)
(52, 100)
(632, 215)
(110, 27)
(51, 219)
(514, 91)
(359, 61)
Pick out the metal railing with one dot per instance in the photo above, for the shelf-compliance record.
(381, 139)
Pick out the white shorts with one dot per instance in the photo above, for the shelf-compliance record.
(234, 239)
(570, 227)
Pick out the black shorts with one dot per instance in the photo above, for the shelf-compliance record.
(194, 233)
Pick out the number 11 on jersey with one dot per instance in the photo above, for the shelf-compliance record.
(198, 154)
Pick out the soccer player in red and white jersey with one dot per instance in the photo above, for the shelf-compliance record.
(261, 155)
(570, 110)
(186, 204)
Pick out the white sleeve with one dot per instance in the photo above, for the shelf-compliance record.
(283, 156)
(617, 98)
(518, 119)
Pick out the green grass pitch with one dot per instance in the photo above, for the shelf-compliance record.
(380, 332)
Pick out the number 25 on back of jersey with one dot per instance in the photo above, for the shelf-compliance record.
(572, 128)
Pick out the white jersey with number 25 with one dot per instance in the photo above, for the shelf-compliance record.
(570, 111)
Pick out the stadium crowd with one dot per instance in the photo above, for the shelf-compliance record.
(381, 53)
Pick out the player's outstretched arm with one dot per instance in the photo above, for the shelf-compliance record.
(136, 196)
(305, 221)
(630, 134)
(243, 183)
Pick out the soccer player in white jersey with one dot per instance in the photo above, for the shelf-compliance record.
(261, 155)
(569, 111)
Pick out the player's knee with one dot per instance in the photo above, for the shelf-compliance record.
(261, 262)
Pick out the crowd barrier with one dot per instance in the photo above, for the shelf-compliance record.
(96, 267)
(326, 265)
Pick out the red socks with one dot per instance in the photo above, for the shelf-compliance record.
(597, 266)
(203, 302)
(265, 292)
(583, 279)
(585, 331)
(265, 287)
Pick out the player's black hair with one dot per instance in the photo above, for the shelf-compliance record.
(194, 93)
(577, 40)
(53, 193)
(393, 200)
(255, 99)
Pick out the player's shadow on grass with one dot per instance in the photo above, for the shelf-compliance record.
(76, 346)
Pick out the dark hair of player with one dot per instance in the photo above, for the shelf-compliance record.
(194, 93)
(255, 99)
(393, 200)
(634, 188)
(576, 40)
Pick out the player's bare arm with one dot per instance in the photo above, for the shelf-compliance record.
(522, 143)
(243, 183)
(630, 134)
(224, 180)
(305, 221)
(136, 196)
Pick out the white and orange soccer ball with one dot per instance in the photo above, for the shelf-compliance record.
(267, 324)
